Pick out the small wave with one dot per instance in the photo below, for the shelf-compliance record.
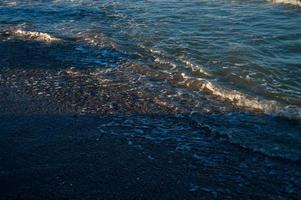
(259, 133)
(292, 2)
(36, 36)
(186, 63)
(230, 96)
(165, 62)
(195, 68)
(96, 39)
(8, 4)
(158, 52)
(242, 100)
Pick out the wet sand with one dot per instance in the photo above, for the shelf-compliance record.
(68, 134)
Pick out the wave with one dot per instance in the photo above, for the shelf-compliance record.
(234, 97)
(239, 99)
(96, 39)
(161, 58)
(292, 2)
(8, 4)
(230, 96)
(195, 68)
(259, 133)
(165, 62)
(36, 36)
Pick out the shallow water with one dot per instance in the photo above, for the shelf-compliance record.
(245, 52)
(242, 58)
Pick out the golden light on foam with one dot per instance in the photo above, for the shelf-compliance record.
(37, 36)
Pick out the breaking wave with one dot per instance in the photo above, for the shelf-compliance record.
(229, 96)
(234, 97)
(242, 100)
(292, 2)
(97, 39)
(36, 36)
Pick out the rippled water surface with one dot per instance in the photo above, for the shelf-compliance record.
(247, 52)
(242, 56)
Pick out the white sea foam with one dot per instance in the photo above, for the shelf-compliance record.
(37, 36)
(187, 63)
(164, 62)
(158, 52)
(242, 100)
(293, 2)
(11, 3)
(96, 39)
(195, 68)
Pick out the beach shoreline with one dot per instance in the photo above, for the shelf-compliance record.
(149, 100)
(53, 148)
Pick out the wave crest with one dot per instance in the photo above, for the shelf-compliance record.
(242, 100)
(36, 36)
(292, 2)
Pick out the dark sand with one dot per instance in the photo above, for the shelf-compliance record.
(69, 134)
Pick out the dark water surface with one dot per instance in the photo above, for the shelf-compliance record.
(217, 83)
